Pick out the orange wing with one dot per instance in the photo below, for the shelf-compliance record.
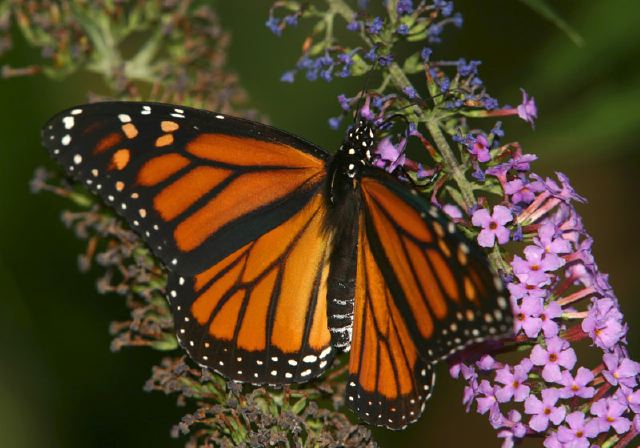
(234, 209)
(260, 314)
(388, 380)
(195, 185)
(423, 292)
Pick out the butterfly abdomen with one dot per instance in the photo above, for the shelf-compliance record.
(341, 285)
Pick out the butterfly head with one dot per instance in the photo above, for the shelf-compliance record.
(357, 148)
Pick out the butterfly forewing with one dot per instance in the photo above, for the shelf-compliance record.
(196, 185)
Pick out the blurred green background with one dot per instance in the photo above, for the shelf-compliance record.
(60, 386)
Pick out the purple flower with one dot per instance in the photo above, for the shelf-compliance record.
(630, 398)
(527, 110)
(552, 441)
(410, 92)
(537, 261)
(620, 371)
(522, 193)
(274, 25)
(558, 353)
(469, 394)
(545, 410)
(423, 173)
(527, 316)
(365, 110)
(445, 7)
(385, 60)
(548, 240)
(609, 413)
(529, 286)
(354, 25)
(334, 122)
(453, 211)
(579, 432)
(288, 76)
(521, 162)
(577, 386)
(457, 19)
(563, 191)
(403, 29)
(514, 429)
(480, 148)
(425, 54)
(404, 7)
(550, 327)
(513, 381)
(344, 102)
(291, 19)
(487, 363)
(604, 323)
(466, 69)
(390, 157)
(375, 26)
(488, 402)
(492, 225)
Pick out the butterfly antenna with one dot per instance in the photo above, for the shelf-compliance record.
(422, 101)
(363, 94)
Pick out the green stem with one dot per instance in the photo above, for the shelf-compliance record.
(451, 164)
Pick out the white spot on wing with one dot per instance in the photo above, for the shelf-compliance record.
(325, 352)
(310, 358)
(68, 122)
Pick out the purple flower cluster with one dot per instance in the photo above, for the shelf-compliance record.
(325, 60)
(559, 298)
(529, 223)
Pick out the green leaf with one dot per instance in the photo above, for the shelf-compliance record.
(546, 11)
(413, 64)
(299, 406)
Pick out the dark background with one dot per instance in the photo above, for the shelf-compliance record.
(60, 386)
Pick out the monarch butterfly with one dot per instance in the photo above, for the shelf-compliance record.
(281, 255)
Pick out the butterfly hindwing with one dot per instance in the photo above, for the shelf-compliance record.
(260, 314)
(424, 292)
(389, 381)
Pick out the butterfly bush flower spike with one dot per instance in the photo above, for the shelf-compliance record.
(529, 224)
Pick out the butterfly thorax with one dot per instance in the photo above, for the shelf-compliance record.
(355, 153)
